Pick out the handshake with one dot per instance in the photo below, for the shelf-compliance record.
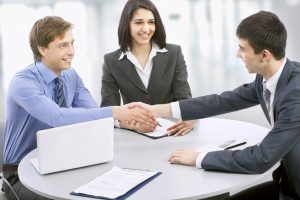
(141, 117)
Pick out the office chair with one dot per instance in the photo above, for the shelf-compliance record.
(1, 161)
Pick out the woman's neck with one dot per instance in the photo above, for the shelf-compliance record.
(141, 49)
(141, 52)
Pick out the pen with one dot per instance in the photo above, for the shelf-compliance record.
(159, 124)
(236, 145)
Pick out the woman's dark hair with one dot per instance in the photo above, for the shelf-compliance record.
(131, 6)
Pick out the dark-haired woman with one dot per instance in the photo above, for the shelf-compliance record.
(145, 68)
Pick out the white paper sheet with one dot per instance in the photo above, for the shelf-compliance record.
(115, 182)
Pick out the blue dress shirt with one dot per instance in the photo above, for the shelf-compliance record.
(31, 107)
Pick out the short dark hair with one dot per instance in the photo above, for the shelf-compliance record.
(264, 30)
(131, 6)
(44, 31)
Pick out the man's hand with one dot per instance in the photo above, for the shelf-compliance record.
(136, 126)
(181, 128)
(141, 105)
(134, 113)
(184, 156)
(159, 110)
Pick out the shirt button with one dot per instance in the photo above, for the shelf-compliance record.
(147, 97)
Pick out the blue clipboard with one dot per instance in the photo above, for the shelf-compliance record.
(124, 196)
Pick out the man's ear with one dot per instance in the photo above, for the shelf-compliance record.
(42, 50)
(266, 55)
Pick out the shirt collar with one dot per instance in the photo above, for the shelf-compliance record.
(272, 82)
(154, 50)
(47, 74)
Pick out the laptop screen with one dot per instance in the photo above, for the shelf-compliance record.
(74, 146)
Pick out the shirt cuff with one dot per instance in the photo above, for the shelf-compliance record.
(199, 159)
(117, 123)
(175, 108)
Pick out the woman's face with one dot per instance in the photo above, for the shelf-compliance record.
(142, 27)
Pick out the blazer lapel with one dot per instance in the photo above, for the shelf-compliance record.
(130, 72)
(282, 82)
(158, 70)
(260, 93)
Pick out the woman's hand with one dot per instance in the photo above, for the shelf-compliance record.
(181, 128)
(136, 126)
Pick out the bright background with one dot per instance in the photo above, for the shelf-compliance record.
(204, 28)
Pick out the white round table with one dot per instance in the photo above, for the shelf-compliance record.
(132, 150)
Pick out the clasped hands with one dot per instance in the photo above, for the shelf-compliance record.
(141, 117)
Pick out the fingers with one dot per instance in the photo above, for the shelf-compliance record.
(142, 128)
(182, 132)
(174, 129)
(136, 126)
(140, 105)
(142, 113)
(174, 158)
(134, 104)
(177, 156)
(184, 156)
(179, 129)
(143, 116)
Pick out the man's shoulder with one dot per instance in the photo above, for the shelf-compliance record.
(25, 79)
(294, 68)
(28, 72)
(295, 65)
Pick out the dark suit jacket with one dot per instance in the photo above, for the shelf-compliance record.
(282, 142)
(167, 83)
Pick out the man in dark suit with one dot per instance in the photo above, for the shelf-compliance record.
(262, 42)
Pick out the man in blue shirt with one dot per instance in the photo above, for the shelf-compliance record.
(33, 93)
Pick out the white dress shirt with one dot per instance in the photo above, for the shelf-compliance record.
(271, 86)
(145, 73)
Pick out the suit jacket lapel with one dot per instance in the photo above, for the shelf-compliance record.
(158, 70)
(282, 82)
(260, 93)
(130, 72)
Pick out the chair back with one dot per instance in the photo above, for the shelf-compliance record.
(1, 144)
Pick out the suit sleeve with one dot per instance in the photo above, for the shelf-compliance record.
(110, 94)
(283, 141)
(206, 106)
(181, 88)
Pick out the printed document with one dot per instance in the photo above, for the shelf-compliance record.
(115, 183)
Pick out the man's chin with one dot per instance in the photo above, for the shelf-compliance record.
(251, 72)
(66, 66)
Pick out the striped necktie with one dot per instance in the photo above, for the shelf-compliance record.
(59, 92)
(267, 96)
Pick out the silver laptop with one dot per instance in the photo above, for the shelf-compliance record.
(74, 146)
